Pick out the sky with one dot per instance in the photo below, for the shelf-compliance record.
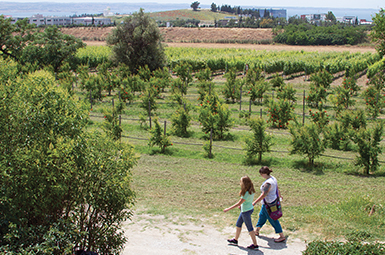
(361, 4)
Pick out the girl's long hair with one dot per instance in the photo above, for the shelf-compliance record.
(246, 185)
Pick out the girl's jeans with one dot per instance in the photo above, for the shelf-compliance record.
(246, 218)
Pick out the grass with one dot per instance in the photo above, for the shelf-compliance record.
(328, 201)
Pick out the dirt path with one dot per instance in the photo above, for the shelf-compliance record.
(161, 236)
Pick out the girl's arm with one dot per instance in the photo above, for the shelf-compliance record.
(235, 205)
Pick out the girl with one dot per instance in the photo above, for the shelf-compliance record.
(247, 196)
(269, 193)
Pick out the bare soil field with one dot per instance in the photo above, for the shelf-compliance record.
(199, 37)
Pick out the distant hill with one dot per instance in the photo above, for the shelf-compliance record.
(202, 14)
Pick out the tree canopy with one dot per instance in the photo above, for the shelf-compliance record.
(28, 45)
(61, 187)
(378, 31)
(137, 42)
(195, 5)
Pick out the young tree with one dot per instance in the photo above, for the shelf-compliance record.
(368, 142)
(137, 42)
(215, 115)
(307, 140)
(259, 143)
(158, 137)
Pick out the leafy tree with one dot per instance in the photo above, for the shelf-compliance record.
(378, 31)
(214, 7)
(137, 42)
(52, 48)
(181, 121)
(14, 37)
(280, 113)
(232, 85)
(158, 137)
(330, 16)
(260, 142)
(183, 71)
(307, 140)
(27, 45)
(215, 115)
(111, 124)
(368, 142)
(61, 186)
(195, 5)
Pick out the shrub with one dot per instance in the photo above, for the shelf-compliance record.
(351, 248)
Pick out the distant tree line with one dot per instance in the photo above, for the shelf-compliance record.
(300, 32)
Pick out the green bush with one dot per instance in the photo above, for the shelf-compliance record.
(340, 248)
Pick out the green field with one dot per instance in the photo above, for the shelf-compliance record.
(328, 201)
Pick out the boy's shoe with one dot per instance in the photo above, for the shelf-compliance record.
(253, 247)
(232, 241)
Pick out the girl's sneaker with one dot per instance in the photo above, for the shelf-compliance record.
(253, 247)
(232, 241)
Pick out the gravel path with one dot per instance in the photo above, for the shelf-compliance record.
(156, 235)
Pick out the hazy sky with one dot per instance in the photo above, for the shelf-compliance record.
(367, 4)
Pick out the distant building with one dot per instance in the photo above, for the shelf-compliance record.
(314, 18)
(91, 21)
(350, 19)
(40, 20)
(273, 12)
(107, 12)
(365, 22)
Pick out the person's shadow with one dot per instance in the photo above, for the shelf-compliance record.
(273, 245)
(270, 245)
(249, 251)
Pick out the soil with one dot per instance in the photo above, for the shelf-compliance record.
(185, 37)
(148, 234)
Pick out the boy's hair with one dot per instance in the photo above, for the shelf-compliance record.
(246, 185)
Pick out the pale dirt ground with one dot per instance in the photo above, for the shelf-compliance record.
(148, 234)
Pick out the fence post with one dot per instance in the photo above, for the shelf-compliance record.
(149, 107)
(164, 128)
(211, 142)
(91, 98)
(303, 109)
(240, 100)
